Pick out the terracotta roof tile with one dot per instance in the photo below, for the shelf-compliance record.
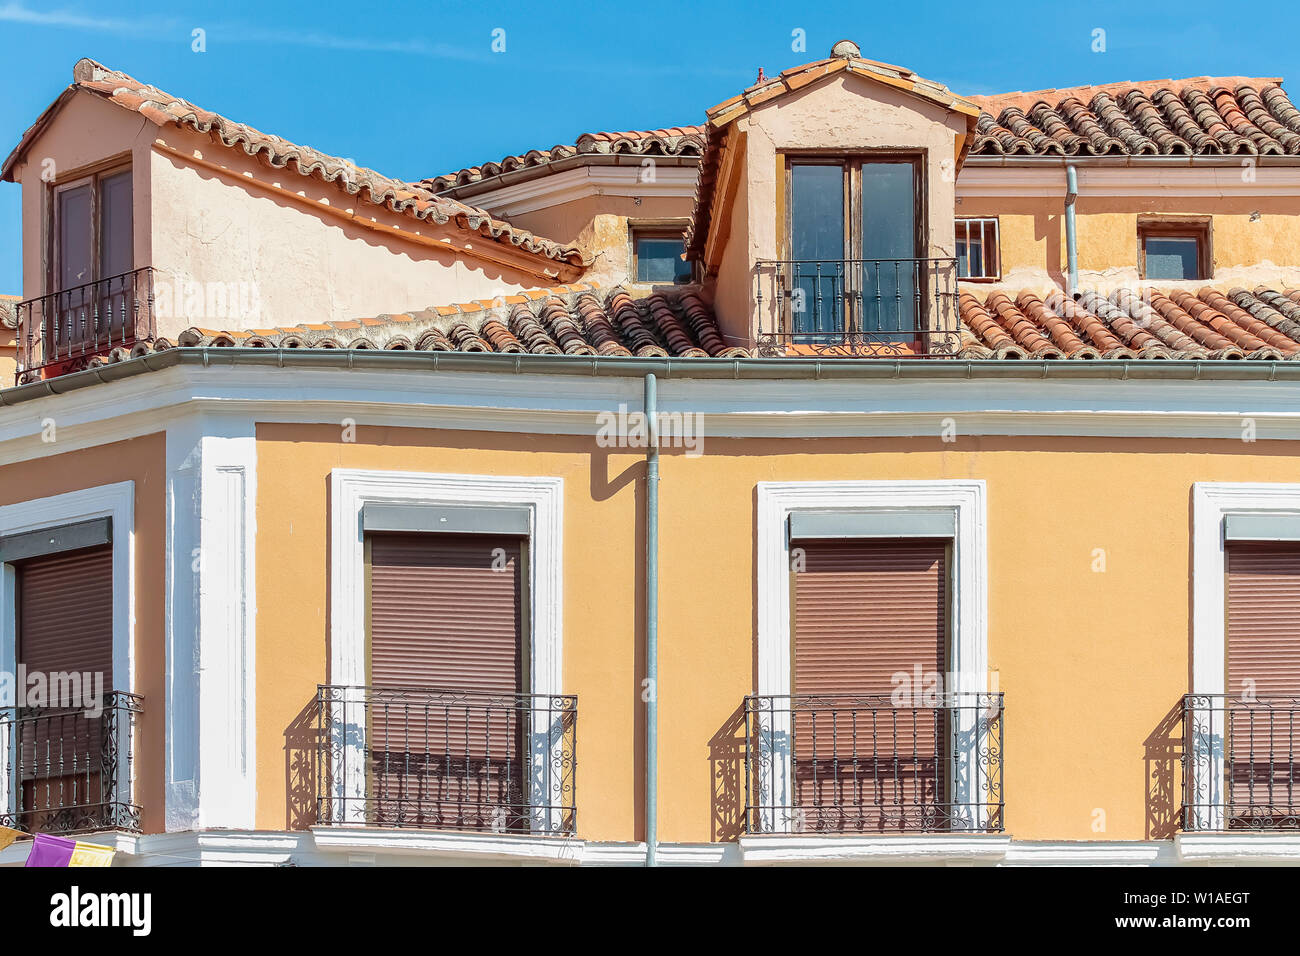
(673, 141)
(575, 319)
(1202, 116)
(1260, 324)
(409, 199)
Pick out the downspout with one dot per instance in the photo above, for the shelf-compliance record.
(1071, 238)
(651, 692)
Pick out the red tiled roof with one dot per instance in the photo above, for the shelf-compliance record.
(1203, 116)
(1147, 324)
(674, 141)
(576, 319)
(404, 198)
(9, 311)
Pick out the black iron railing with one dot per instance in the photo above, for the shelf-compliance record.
(59, 331)
(867, 307)
(68, 769)
(870, 765)
(417, 757)
(1241, 763)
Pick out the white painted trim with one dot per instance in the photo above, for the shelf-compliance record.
(1239, 848)
(562, 404)
(1091, 853)
(116, 502)
(582, 182)
(481, 846)
(350, 491)
(930, 849)
(777, 500)
(211, 620)
(981, 180)
(1211, 503)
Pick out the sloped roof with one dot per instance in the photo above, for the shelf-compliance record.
(845, 58)
(578, 319)
(407, 199)
(1202, 116)
(675, 141)
(1230, 324)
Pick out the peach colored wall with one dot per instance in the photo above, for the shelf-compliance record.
(142, 460)
(296, 265)
(601, 594)
(1255, 239)
(1091, 662)
(844, 112)
(85, 133)
(276, 261)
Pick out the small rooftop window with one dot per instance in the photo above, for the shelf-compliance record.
(657, 255)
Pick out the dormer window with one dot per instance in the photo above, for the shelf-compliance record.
(853, 244)
(657, 250)
(91, 231)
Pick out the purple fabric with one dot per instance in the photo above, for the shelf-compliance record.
(51, 851)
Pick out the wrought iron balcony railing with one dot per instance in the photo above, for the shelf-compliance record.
(870, 765)
(418, 757)
(67, 769)
(1241, 763)
(891, 308)
(58, 332)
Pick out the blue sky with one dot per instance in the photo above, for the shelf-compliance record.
(416, 89)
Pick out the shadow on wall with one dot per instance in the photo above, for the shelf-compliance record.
(727, 777)
(1163, 751)
(301, 753)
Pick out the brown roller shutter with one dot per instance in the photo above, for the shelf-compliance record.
(865, 610)
(64, 624)
(1263, 609)
(65, 612)
(446, 664)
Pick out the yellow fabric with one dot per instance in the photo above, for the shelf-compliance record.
(91, 854)
(7, 836)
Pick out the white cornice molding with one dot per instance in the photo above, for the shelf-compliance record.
(933, 849)
(981, 181)
(584, 181)
(569, 405)
(1242, 849)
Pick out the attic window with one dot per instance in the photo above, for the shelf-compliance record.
(1174, 249)
(657, 251)
(977, 249)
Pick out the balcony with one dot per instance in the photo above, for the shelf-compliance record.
(443, 760)
(1241, 763)
(867, 308)
(864, 765)
(59, 332)
(67, 771)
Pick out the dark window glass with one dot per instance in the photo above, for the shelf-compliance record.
(817, 247)
(74, 235)
(659, 259)
(888, 236)
(115, 224)
(1172, 257)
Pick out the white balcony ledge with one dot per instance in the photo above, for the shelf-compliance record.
(933, 849)
(1241, 849)
(459, 847)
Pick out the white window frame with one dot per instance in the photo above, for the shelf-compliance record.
(350, 491)
(1212, 502)
(776, 501)
(116, 502)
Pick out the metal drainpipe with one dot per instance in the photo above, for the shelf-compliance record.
(1071, 238)
(651, 622)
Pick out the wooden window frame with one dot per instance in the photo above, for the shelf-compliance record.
(997, 247)
(94, 177)
(851, 161)
(655, 229)
(1198, 228)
